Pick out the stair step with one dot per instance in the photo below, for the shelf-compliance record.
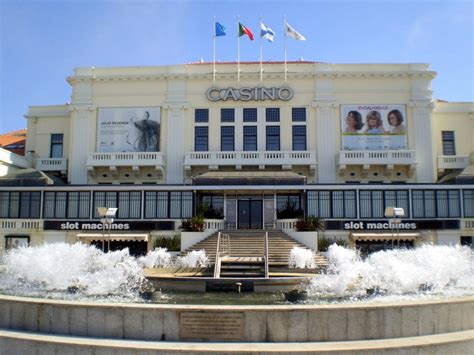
(240, 274)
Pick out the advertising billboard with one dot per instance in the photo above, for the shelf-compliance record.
(128, 129)
(373, 127)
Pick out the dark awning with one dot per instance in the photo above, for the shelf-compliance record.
(378, 237)
(249, 178)
(88, 237)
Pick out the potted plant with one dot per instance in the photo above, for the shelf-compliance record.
(194, 224)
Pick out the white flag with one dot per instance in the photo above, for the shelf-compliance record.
(291, 32)
(266, 32)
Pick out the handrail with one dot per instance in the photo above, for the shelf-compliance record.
(222, 249)
(217, 263)
(266, 256)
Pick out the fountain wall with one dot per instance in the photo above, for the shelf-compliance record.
(245, 324)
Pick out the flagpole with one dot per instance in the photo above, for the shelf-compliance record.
(238, 49)
(284, 31)
(214, 51)
(261, 55)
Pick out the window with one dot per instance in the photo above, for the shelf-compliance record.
(215, 203)
(127, 202)
(20, 204)
(227, 115)
(299, 137)
(168, 204)
(468, 199)
(227, 138)
(289, 206)
(273, 138)
(250, 115)
(373, 203)
(272, 114)
(250, 138)
(298, 114)
(448, 143)
(56, 146)
(66, 204)
(201, 139)
(201, 115)
(436, 203)
(331, 204)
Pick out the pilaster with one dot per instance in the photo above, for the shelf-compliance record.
(424, 141)
(81, 142)
(326, 131)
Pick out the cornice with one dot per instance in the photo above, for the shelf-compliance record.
(249, 75)
(421, 104)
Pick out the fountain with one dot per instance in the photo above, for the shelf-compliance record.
(64, 297)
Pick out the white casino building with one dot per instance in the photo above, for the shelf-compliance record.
(338, 141)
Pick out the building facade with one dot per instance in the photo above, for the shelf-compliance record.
(338, 141)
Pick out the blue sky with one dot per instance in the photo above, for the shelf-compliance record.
(43, 40)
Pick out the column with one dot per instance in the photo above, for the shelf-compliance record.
(424, 142)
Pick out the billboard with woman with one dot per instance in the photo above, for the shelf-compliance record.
(373, 127)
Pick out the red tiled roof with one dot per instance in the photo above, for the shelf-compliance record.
(12, 137)
(14, 141)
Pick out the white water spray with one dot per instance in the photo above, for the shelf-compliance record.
(301, 258)
(429, 269)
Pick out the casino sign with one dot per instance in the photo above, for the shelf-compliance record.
(249, 94)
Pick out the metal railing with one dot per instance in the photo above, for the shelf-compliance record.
(222, 249)
(265, 256)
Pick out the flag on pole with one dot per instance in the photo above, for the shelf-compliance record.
(266, 32)
(291, 32)
(219, 30)
(245, 31)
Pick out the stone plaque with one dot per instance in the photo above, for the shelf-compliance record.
(211, 326)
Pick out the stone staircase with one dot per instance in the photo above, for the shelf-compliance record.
(232, 266)
(250, 244)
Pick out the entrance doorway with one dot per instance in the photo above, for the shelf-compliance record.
(250, 213)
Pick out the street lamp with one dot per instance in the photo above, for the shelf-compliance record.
(106, 215)
(395, 214)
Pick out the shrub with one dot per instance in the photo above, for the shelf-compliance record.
(170, 243)
(195, 224)
(324, 243)
(309, 224)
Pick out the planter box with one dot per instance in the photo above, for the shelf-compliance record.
(309, 239)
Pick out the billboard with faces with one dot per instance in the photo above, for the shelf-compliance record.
(373, 127)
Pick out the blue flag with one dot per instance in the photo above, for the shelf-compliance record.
(220, 30)
(266, 32)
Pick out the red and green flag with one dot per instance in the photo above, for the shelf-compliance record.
(245, 31)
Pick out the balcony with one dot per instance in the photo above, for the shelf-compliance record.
(133, 160)
(451, 162)
(51, 164)
(285, 159)
(389, 158)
